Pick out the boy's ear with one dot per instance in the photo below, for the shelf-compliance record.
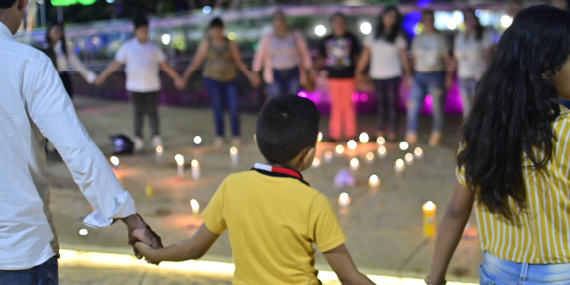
(310, 153)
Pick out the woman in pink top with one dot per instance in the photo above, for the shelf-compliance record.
(284, 58)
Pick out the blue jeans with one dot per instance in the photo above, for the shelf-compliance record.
(426, 83)
(218, 90)
(286, 82)
(388, 92)
(43, 274)
(498, 271)
(565, 103)
(467, 93)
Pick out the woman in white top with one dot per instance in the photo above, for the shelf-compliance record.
(385, 50)
(65, 58)
(473, 51)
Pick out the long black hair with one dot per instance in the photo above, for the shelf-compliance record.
(478, 27)
(514, 107)
(63, 40)
(380, 32)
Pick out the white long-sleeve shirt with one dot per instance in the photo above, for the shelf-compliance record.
(35, 105)
(65, 61)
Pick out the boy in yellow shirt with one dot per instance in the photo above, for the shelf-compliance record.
(272, 214)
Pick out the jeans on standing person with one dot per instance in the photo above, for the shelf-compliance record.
(499, 271)
(43, 274)
(218, 90)
(426, 83)
(387, 92)
(467, 86)
(286, 82)
(146, 104)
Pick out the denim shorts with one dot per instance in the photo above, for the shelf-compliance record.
(496, 271)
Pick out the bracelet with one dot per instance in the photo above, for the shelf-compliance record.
(428, 281)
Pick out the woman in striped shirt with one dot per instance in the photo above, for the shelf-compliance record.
(513, 159)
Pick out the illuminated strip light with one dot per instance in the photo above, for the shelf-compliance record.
(207, 267)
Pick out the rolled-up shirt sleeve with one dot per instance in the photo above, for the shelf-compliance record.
(52, 111)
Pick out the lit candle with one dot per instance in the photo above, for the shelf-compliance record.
(234, 156)
(380, 140)
(400, 166)
(159, 151)
(328, 156)
(344, 200)
(316, 163)
(83, 232)
(149, 190)
(195, 208)
(195, 169)
(369, 157)
(352, 144)
(320, 137)
(180, 162)
(419, 153)
(404, 145)
(197, 140)
(364, 138)
(354, 164)
(409, 158)
(429, 209)
(339, 149)
(374, 181)
(382, 151)
(115, 162)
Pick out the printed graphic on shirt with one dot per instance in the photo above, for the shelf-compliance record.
(339, 52)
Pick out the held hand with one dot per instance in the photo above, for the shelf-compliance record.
(449, 82)
(409, 80)
(99, 80)
(146, 251)
(255, 79)
(180, 84)
(139, 231)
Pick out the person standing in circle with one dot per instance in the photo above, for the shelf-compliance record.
(284, 57)
(385, 51)
(431, 57)
(473, 51)
(221, 57)
(64, 57)
(339, 53)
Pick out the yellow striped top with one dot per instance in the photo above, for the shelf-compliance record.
(540, 233)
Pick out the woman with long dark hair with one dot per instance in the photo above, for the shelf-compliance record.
(513, 159)
(65, 57)
(473, 51)
(385, 51)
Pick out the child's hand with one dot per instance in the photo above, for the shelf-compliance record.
(148, 252)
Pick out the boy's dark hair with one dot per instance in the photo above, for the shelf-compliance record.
(5, 4)
(286, 125)
(140, 21)
(217, 23)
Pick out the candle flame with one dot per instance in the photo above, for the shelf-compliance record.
(339, 149)
(197, 140)
(374, 179)
(370, 155)
(233, 150)
(179, 159)
(195, 206)
(418, 151)
(195, 163)
(354, 162)
(352, 144)
(364, 138)
(115, 160)
(409, 157)
(320, 138)
(316, 162)
(381, 140)
(399, 163)
(159, 149)
(429, 206)
(328, 154)
(382, 150)
(344, 197)
(404, 145)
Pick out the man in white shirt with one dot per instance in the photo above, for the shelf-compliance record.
(35, 106)
(143, 61)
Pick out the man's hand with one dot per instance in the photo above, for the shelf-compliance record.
(180, 84)
(139, 231)
(99, 80)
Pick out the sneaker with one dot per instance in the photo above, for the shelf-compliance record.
(219, 142)
(411, 138)
(156, 141)
(434, 139)
(139, 144)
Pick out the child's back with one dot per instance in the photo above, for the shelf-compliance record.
(273, 220)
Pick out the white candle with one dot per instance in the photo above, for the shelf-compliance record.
(409, 158)
(382, 151)
(328, 156)
(369, 157)
(404, 145)
(180, 162)
(320, 137)
(195, 169)
(115, 162)
(344, 200)
(352, 144)
(234, 156)
(339, 149)
(364, 138)
(197, 140)
(316, 163)
(159, 151)
(374, 181)
(354, 164)
(195, 207)
(419, 153)
(380, 140)
(399, 166)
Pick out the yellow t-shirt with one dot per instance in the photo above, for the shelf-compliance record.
(273, 221)
(541, 232)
